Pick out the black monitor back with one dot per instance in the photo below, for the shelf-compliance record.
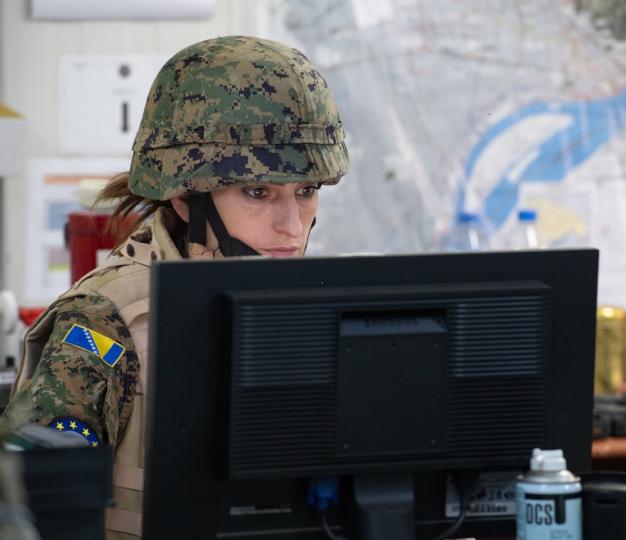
(264, 373)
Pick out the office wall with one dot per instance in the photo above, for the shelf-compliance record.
(448, 106)
(29, 53)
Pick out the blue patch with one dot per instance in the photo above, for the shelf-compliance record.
(93, 342)
(113, 354)
(69, 423)
(80, 337)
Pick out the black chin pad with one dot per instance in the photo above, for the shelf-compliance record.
(229, 246)
(197, 219)
(236, 248)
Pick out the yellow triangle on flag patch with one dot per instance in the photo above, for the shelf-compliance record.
(108, 350)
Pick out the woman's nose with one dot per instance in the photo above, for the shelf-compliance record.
(287, 220)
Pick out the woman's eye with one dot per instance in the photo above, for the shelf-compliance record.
(255, 192)
(307, 191)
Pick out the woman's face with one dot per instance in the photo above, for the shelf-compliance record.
(272, 219)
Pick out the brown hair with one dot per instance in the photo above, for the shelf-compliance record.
(121, 223)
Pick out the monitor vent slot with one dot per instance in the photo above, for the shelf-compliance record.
(283, 416)
(284, 407)
(498, 350)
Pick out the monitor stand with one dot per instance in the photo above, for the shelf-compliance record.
(382, 508)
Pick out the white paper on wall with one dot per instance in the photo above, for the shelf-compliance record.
(52, 195)
(121, 9)
(101, 100)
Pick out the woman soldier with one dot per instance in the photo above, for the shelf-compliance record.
(237, 135)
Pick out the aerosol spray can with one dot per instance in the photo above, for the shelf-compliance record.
(549, 499)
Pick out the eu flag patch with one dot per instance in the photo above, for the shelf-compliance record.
(105, 348)
(69, 423)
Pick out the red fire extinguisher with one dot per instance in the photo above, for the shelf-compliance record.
(87, 234)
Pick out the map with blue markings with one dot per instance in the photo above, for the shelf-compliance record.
(575, 131)
(462, 106)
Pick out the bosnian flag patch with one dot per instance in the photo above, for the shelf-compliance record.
(105, 348)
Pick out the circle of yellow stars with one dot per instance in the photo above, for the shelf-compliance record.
(85, 432)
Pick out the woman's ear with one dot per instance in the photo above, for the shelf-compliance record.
(181, 207)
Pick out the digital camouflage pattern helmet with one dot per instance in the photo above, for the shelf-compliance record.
(236, 110)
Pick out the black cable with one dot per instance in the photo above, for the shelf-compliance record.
(328, 530)
(466, 482)
(453, 528)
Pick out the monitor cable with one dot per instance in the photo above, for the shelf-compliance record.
(323, 493)
(329, 532)
(453, 528)
(466, 482)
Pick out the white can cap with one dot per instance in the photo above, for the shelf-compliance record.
(547, 460)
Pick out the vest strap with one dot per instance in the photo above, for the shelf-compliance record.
(123, 521)
(131, 312)
(111, 262)
(138, 252)
(125, 476)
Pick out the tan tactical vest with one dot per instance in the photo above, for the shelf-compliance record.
(128, 289)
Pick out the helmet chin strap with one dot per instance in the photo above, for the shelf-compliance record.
(229, 246)
(201, 209)
(309, 235)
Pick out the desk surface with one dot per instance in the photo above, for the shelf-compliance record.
(489, 538)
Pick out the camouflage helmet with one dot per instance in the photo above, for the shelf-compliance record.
(234, 111)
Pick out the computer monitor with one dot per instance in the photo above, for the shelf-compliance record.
(380, 371)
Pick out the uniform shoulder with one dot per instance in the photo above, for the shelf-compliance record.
(81, 366)
(90, 342)
(96, 312)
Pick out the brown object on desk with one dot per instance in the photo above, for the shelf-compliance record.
(609, 454)
(609, 448)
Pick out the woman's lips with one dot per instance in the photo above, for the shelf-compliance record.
(282, 251)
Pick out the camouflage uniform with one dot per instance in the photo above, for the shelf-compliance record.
(57, 379)
(69, 382)
(224, 112)
(61, 384)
